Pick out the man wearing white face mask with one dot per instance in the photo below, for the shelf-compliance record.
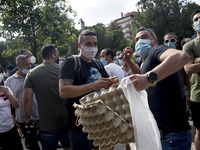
(79, 76)
(193, 69)
(16, 83)
(160, 79)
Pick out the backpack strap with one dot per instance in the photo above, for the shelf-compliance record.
(100, 65)
(77, 66)
(77, 62)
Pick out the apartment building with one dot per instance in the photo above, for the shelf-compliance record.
(125, 24)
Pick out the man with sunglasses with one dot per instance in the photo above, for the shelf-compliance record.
(193, 69)
(160, 79)
(171, 40)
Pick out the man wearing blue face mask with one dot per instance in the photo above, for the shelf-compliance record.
(103, 57)
(80, 75)
(160, 79)
(193, 69)
(171, 40)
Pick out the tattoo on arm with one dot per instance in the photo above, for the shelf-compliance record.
(63, 82)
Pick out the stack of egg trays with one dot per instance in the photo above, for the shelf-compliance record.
(106, 117)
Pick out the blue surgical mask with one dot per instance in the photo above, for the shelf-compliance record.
(138, 60)
(197, 26)
(103, 61)
(118, 57)
(170, 44)
(25, 71)
(143, 47)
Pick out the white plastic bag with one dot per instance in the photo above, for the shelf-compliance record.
(146, 132)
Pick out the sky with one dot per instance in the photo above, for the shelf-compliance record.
(102, 11)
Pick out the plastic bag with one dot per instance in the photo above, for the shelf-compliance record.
(146, 132)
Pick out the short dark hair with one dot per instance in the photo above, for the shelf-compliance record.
(23, 51)
(171, 33)
(194, 13)
(109, 51)
(85, 33)
(47, 50)
(150, 30)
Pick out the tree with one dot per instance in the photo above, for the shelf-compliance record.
(164, 17)
(36, 22)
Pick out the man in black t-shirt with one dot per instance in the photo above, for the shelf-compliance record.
(160, 79)
(79, 76)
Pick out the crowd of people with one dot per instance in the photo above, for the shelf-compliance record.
(36, 101)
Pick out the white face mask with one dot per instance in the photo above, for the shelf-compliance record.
(32, 59)
(89, 52)
(1, 77)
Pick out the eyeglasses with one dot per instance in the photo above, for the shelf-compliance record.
(170, 40)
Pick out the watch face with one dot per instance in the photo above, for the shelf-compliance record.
(153, 76)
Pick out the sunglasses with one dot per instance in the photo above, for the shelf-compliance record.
(170, 40)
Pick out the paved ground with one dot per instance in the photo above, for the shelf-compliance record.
(121, 147)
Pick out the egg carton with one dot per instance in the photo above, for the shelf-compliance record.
(106, 117)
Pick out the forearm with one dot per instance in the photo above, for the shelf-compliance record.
(13, 100)
(71, 91)
(191, 68)
(27, 101)
(171, 64)
(134, 67)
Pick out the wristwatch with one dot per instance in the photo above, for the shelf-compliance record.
(153, 77)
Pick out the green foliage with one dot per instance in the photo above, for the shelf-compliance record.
(109, 37)
(165, 16)
(36, 22)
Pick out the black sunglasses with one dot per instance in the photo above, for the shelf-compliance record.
(170, 40)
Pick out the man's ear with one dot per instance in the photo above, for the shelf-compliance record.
(193, 25)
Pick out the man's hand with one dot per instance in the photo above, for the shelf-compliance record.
(140, 82)
(102, 83)
(197, 60)
(128, 53)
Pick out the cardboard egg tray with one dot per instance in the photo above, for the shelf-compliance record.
(106, 117)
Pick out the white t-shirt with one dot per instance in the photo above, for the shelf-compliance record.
(6, 121)
(115, 70)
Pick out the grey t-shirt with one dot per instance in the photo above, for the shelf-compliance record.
(43, 79)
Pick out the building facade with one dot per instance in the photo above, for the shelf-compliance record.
(125, 24)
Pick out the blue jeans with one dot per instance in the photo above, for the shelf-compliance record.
(50, 138)
(176, 141)
(79, 140)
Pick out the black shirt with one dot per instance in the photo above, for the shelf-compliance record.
(165, 99)
(88, 72)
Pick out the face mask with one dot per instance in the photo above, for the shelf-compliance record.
(60, 63)
(143, 47)
(32, 59)
(197, 26)
(170, 44)
(121, 63)
(118, 57)
(25, 71)
(138, 60)
(7, 74)
(1, 77)
(104, 61)
(89, 52)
